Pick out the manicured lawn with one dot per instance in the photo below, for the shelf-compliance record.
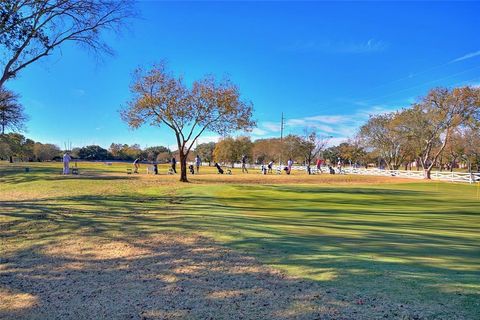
(378, 240)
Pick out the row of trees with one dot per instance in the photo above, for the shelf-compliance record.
(300, 148)
(440, 130)
(16, 145)
(442, 126)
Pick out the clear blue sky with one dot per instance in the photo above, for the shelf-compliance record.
(326, 65)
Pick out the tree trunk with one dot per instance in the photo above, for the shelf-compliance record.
(452, 165)
(183, 167)
(427, 173)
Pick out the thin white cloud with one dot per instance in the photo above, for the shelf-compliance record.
(296, 122)
(33, 103)
(271, 126)
(338, 126)
(259, 132)
(329, 119)
(78, 92)
(336, 141)
(467, 56)
(207, 139)
(375, 110)
(367, 46)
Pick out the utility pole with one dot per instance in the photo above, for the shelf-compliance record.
(282, 125)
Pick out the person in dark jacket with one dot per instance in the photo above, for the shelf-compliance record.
(174, 165)
(244, 164)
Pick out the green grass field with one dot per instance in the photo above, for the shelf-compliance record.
(383, 240)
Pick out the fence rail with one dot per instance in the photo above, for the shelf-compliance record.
(435, 175)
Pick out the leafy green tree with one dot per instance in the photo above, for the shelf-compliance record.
(151, 153)
(332, 154)
(16, 145)
(266, 150)
(205, 151)
(353, 152)
(93, 152)
(46, 152)
(225, 152)
(126, 152)
(291, 148)
(230, 150)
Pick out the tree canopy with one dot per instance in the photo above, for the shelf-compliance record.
(12, 114)
(32, 29)
(159, 98)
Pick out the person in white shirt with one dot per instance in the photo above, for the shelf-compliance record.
(66, 163)
(289, 165)
(270, 166)
(136, 165)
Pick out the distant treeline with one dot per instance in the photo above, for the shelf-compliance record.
(15, 146)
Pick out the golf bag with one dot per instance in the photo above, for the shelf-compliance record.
(332, 171)
(220, 170)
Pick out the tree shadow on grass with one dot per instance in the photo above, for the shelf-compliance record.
(14, 174)
(414, 256)
(165, 276)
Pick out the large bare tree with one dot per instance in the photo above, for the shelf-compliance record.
(159, 98)
(312, 144)
(12, 115)
(33, 29)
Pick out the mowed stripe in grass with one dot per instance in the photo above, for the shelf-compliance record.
(413, 243)
(417, 241)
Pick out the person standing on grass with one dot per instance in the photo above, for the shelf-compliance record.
(66, 163)
(174, 165)
(197, 162)
(289, 165)
(244, 164)
(270, 166)
(319, 165)
(136, 165)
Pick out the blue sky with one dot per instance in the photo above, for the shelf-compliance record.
(325, 65)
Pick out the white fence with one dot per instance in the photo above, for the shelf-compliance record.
(435, 175)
